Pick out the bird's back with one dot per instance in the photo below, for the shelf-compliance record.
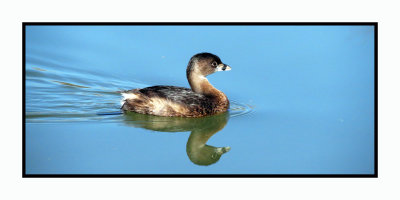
(168, 101)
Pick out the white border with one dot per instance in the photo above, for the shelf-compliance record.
(14, 12)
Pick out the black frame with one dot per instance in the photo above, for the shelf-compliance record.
(374, 175)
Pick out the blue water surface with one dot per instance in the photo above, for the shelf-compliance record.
(302, 100)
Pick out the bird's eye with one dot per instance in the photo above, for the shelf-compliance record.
(214, 64)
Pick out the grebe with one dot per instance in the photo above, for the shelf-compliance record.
(170, 101)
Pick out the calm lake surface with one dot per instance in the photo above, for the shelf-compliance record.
(302, 100)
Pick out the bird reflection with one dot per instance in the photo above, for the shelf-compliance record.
(202, 129)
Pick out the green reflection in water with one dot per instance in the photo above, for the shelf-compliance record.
(202, 129)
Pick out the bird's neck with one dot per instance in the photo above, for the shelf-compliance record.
(201, 85)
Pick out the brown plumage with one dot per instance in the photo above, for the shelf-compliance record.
(201, 100)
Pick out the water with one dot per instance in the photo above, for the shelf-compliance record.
(302, 100)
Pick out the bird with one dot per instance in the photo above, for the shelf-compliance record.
(202, 99)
